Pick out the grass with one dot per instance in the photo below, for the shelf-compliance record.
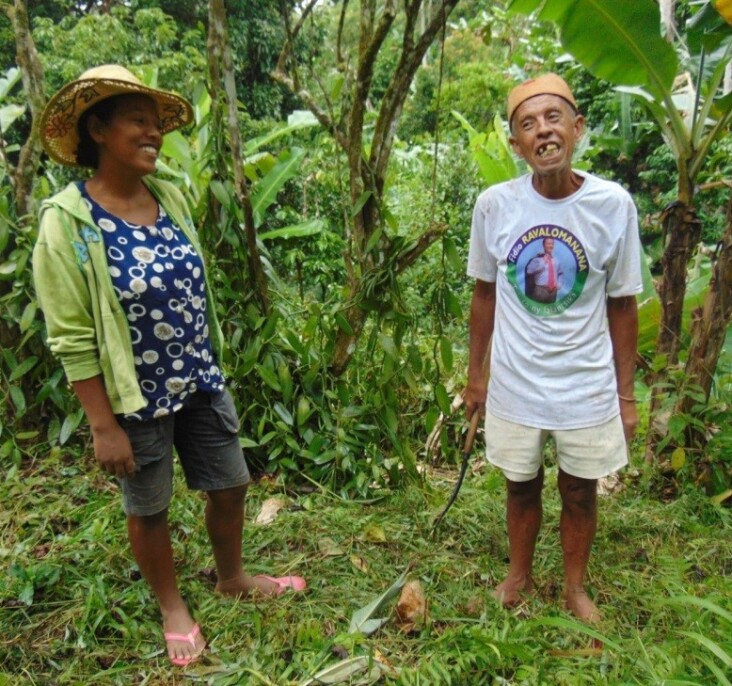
(73, 609)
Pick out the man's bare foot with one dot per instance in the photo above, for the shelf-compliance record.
(249, 586)
(580, 605)
(188, 643)
(510, 590)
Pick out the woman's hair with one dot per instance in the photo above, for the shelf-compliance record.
(87, 152)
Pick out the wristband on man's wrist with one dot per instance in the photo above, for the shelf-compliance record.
(626, 398)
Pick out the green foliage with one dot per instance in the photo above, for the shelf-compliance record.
(75, 610)
(144, 38)
(702, 439)
(631, 51)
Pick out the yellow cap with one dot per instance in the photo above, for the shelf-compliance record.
(547, 84)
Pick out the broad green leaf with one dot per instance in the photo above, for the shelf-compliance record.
(25, 366)
(360, 203)
(221, 193)
(265, 192)
(343, 324)
(308, 228)
(16, 395)
(303, 410)
(9, 114)
(390, 420)
(452, 256)
(29, 314)
(7, 270)
(374, 238)
(717, 499)
(446, 353)
(619, 41)
(7, 82)
(283, 413)
(70, 425)
(26, 435)
(346, 670)
(443, 400)
(678, 459)
(299, 119)
(364, 620)
(388, 346)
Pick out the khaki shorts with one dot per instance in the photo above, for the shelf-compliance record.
(591, 453)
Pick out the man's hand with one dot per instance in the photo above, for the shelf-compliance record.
(629, 417)
(475, 397)
(113, 450)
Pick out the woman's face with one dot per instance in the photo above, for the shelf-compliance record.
(132, 137)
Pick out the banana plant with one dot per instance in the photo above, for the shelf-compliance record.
(187, 160)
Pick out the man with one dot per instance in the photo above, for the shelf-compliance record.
(543, 274)
(565, 368)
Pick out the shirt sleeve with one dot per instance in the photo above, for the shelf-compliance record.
(64, 297)
(481, 263)
(625, 276)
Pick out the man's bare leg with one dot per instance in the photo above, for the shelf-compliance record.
(577, 527)
(523, 517)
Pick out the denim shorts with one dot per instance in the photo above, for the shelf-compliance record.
(205, 435)
(590, 453)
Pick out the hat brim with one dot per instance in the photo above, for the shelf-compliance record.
(59, 132)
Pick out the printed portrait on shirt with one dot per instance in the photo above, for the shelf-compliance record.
(547, 266)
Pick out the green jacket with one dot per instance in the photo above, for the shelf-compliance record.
(87, 327)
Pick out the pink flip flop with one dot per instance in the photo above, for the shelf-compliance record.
(296, 583)
(190, 638)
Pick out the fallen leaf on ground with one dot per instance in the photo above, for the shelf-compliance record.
(329, 548)
(270, 510)
(359, 563)
(411, 611)
(374, 534)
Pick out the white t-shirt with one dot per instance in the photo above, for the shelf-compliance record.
(552, 363)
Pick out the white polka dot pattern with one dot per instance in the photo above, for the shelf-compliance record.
(158, 278)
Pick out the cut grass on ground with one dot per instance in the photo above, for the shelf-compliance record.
(73, 609)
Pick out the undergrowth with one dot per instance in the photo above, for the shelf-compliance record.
(73, 609)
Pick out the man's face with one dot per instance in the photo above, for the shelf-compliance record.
(549, 245)
(544, 131)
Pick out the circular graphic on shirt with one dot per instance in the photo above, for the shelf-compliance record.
(547, 267)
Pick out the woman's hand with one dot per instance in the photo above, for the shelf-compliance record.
(113, 450)
(112, 446)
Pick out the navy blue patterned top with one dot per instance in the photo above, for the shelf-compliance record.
(158, 278)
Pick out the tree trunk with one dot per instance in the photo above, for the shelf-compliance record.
(32, 73)
(668, 21)
(710, 322)
(221, 71)
(23, 176)
(683, 229)
(367, 252)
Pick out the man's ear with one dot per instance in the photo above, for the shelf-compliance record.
(579, 126)
(515, 146)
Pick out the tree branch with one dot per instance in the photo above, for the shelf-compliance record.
(222, 77)
(32, 72)
(398, 89)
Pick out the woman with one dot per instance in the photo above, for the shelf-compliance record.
(129, 312)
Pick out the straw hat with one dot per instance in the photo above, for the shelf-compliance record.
(547, 84)
(59, 133)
